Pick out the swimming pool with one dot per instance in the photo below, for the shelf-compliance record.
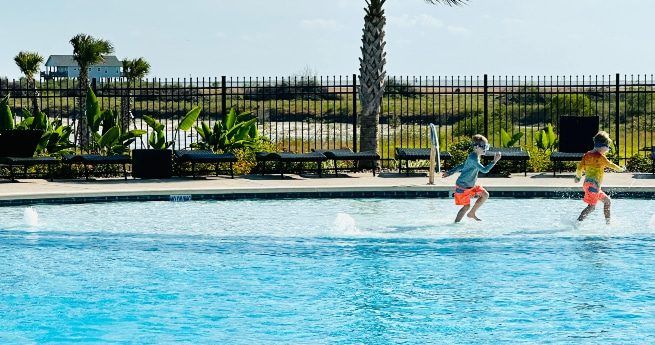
(371, 271)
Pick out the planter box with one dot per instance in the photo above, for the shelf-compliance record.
(153, 164)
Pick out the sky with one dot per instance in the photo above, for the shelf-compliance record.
(207, 38)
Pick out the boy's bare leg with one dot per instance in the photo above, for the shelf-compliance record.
(483, 197)
(461, 213)
(606, 208)
(586, 212)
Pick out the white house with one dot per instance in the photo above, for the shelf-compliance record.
(64, 66)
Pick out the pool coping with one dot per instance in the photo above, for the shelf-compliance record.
(232, 193)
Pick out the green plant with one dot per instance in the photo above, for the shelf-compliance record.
(234, 132)
(459, 149)
(546, 138)
(56, 136)
(573, 104)
(507, 140)
(107, 137)
(539, 160)
(157, 139)
(638, 163)
(6, 117)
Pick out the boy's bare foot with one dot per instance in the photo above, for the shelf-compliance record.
(473, 216)
(608, 221)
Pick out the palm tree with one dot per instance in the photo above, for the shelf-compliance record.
(132, 70)
(87, 51)
(372, 72)
(29, 63)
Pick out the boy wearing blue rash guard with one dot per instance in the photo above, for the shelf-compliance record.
(466, 186)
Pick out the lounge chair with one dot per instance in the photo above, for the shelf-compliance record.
(348, 155)
(509, 154)
(204, 156)
(575, 138)
(284, 158)
(17, 149)
(95, 160)
(414, 154)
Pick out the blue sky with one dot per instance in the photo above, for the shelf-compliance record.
(285, 37)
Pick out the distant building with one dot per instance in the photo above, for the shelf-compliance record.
(64, 66)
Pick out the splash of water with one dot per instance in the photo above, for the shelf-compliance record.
(30, 216)
(344, 223)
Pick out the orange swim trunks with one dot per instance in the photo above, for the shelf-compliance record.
(463, 195)
(592, 193)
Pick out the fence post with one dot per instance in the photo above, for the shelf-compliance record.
(617, 116)
(223, 96)
(94, 85)
(486, 110)
(354, 94)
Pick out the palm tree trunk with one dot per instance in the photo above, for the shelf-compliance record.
(34, 96)
(82, 129)
(372, 74)
(126, 102)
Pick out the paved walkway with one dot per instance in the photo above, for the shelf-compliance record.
(40, 189)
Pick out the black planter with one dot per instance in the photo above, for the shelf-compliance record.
(152, 163)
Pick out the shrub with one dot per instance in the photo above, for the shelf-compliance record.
(246, 161)
(574, 104)
(638, 163)
(539, 160)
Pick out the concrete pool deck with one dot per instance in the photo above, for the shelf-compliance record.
(536, 184)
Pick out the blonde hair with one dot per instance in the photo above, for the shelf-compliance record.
(479, 140)
(602, 138)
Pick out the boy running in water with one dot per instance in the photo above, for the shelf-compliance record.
(593, 166)
(466, 186)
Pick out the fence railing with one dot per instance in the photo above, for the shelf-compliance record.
(304, 113)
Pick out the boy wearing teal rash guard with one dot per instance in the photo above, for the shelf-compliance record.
(466, 186)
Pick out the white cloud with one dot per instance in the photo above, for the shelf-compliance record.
(422, 20)
(320, 24)
(458, 30)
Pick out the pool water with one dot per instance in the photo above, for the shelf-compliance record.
(367, 271)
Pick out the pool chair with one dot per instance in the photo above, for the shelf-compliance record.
(515, 154)
(347, 154)
(283, 159)
(575, 139)
(17, 148)
(94, 160)
(203, 157)
(414, 154)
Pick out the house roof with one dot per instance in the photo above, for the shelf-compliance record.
(67, 60)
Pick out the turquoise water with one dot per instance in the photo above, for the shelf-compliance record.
(326, 271)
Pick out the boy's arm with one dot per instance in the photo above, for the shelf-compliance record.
(579, 170)
(453, 170)
(485, 169)
(612, 166)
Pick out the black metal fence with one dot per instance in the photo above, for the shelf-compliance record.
(304, 113)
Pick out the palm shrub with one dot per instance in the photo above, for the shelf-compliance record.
(507, 140)
(235, 131)
(6, 116)
(56, 135)
(157, 139)
(106, 134)
(55, 138)
(546, 139)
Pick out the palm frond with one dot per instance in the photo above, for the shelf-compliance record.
(88, 50)
(136, 68)
(28, 63)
